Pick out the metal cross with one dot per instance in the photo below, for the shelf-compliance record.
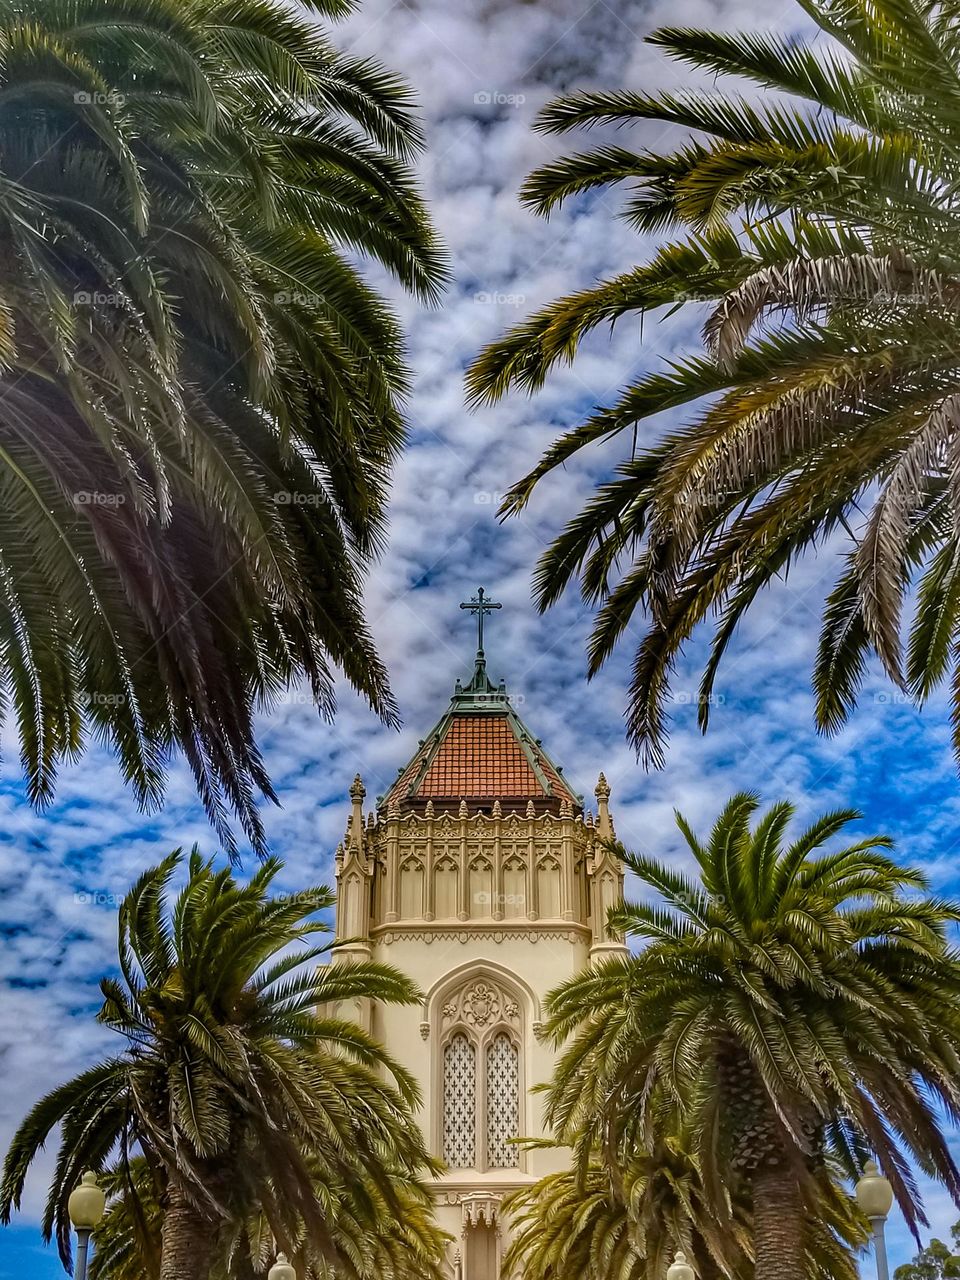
(480, 606)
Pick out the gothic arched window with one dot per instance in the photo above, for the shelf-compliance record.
(502, 1102)
(460, 1103)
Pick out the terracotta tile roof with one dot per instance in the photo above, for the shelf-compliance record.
(481, 751)
(480, 756)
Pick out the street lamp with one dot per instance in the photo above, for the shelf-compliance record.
(680, 1269)
(85, 1207)
(875, 1198)
(281, 1269)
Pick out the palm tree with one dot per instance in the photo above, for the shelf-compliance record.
(819, 237)
(240, 1097)
(583, 1222)
(372, 1241)
(199, 393)
(792, 1006)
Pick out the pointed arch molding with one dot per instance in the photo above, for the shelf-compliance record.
(464, 981)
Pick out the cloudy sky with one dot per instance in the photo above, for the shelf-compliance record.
(481, 68)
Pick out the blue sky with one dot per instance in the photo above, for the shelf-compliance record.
(481, 69)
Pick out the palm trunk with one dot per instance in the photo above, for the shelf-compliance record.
(185, 1242)
(778, 1223)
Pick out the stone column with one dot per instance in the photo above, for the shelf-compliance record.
(566, 861)
(393, 864)
(464, 897)
(497, 876)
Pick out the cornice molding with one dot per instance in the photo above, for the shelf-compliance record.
(423, 931)
(450, 817)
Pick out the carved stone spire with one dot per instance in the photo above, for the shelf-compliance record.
(357, 794)
(604, 821)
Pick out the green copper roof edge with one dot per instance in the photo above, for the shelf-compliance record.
(432, 744)
(533, 749)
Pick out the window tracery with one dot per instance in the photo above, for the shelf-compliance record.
(502, 1102)
(460, 1103)
(481, 1029)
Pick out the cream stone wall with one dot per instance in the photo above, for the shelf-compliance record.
(486, 912)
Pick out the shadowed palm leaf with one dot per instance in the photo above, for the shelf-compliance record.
(791, 1005)
(372, 1240)
(198, 391)
(821, 235)
(243, 1101)
(587, 1224)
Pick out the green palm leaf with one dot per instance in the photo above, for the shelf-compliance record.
(202, 396)
(822, 229)
(794, 1010)
(243, 1103)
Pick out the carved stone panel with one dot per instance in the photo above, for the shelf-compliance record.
(480, 1003)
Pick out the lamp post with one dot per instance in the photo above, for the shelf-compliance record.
(875, 1198)
(680, 1269)
(281, 1269)
(85, 1207)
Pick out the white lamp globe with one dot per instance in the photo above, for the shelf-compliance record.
(281, 1269)
(874, 1192)
(87, 1203)
(680, 1269)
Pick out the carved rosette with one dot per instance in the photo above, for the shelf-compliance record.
(480, 1003)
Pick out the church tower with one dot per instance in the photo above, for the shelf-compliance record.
(480, 876)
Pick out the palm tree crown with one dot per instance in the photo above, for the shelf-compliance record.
(821, 237)
(241, 1098)
(199, 393)
(589, 1223)
(790, 1004)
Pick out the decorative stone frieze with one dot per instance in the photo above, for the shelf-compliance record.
(444, 933)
